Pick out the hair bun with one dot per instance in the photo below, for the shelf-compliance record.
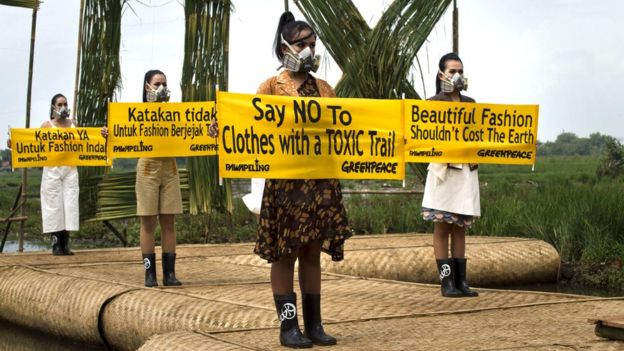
(286, 17)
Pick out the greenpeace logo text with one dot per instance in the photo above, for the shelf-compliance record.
(505, 154)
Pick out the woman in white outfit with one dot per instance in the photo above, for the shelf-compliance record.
(59, 187)
(451, 198)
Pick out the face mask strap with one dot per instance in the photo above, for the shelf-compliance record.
(293, 61)
(287, 45)
(63, 112)
(450, 79)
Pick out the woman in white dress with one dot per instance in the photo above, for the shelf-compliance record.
(451, 198)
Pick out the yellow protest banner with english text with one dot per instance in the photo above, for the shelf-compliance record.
(43, 147)
(172, 129)
(460, 132)
(267, 136)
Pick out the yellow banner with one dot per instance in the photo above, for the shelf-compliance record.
(160, 129)
(37, 147)
(266, 136)
(451, 132)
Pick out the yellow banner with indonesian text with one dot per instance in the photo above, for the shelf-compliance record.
(453, 132)
(39, 147)
(266, 136)
(160, 129)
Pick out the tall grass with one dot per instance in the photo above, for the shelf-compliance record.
(380, 214)
(582, 220)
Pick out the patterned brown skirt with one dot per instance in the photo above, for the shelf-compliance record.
(296, 212)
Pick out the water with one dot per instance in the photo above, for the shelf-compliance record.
(23, 339)
(11, 246)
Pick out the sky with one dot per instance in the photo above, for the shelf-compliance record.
(560, 54)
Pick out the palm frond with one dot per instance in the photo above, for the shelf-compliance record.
(205, 66)
(375, 63)
(116, 195)
(30, 4)
(99, 80)
(374, 66)
(386, 64)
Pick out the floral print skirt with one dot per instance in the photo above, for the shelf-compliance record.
(296, 212)
(434, 215)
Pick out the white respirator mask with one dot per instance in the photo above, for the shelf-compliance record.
(161, 94)
(63, 112)
(300, 62)
(455, 83)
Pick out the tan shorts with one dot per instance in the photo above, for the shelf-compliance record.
(158, 187)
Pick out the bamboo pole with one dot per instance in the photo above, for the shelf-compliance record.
(77, 81)
(455, 28)
(28, 100)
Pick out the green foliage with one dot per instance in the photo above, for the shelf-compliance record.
(117, 198)
(5, 155)
(372, 65)
(612, 164)
(561, 203)
(205, 66)
(10, 183)
(194, 229)
(381, 214)
(99, 79)
(31, 4)
(568, 144)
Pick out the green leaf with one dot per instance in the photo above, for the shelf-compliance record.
(31, 4)
(205, 66)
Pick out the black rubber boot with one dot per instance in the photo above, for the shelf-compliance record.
(65, 243)
(313, 327)
(57, 243)
(168, 264)
(290, 334)
(447, 283)
(460, 277)
(149, 264)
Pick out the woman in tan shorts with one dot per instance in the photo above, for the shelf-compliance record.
(158, 196)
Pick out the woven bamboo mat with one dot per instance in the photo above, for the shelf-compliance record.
(191, 270)
(408, 257)
(362, 242)
(55, 304)
(547, 327)
(489, 264)
(352, 298)
(226, 301)
(491, 261)
(189, 341)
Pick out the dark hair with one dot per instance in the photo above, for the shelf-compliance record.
(148, 78)
(451, 56)
(289, 29)
(54, 98)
